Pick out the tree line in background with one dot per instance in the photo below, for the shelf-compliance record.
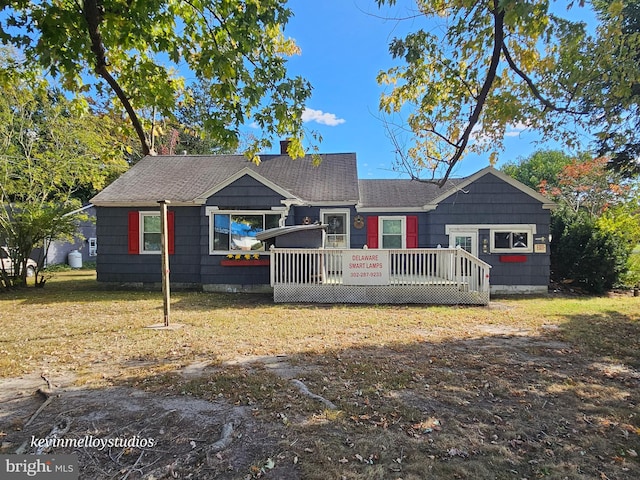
(57, 151)
(596, 226)
(54, 153)
(117, 58)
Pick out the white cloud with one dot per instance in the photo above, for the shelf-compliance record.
(318, 116)
(512, 130)
(515, 130)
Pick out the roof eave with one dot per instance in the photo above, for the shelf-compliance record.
(330, 203)
(369, 209)
(147, 203)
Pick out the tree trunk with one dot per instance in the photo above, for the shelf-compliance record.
(92, 15)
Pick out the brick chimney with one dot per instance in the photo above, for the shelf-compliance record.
(284, 144)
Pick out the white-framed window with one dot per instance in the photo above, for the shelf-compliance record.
(467, 240)
(93, 246)
(511, 240)
(235, 230)
(507, 238)
(150, 232)
(392, 232)
(338, 228)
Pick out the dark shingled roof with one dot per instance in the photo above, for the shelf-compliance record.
(185, 179)
(190, 179)
(401, 193)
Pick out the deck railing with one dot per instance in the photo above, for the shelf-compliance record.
(453, 268)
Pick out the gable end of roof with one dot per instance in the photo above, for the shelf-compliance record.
(547, 204)
(238, 175)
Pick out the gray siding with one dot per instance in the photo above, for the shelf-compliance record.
(191, 263)
(489, 200)
(59, 250)
(115, 264)
(246, 193)
(359, 236)
(297, 215)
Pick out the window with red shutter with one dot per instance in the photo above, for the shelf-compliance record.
(135, 234)
(410, 239)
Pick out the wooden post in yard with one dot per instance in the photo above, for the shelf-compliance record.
(164, 245)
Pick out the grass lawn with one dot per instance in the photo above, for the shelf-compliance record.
(525, 388)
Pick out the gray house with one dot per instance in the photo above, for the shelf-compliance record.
(85, 242)
(219, 204)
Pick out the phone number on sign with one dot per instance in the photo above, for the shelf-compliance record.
(365, 274)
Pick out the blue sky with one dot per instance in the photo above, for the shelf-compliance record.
(344, 45)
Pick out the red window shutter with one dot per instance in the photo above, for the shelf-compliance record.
(170, 232)
(134, 233)
(412, 232)
(372, 232)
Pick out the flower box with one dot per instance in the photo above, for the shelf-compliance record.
(243, 262)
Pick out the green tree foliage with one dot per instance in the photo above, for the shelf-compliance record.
(26, 226)
(541, 167)
(52, 148)
(597, 223)
(587, 185)
(623, 221)
(476, 68)
(614, 95)
(51, 151)
(186, 131)
(197, 106)
(136, 47)
(580, 183)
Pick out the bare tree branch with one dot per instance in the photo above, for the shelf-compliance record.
(534, 90)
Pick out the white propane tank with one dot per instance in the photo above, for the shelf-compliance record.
(75, 259)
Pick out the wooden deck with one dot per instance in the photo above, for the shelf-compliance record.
(437, 276)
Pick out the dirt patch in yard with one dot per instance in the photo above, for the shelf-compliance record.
(124, 432)
(501, 402)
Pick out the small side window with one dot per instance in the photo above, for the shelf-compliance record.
(504, 241)
(93, 247)
(151, 233)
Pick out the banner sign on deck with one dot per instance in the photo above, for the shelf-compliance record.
(365, 267)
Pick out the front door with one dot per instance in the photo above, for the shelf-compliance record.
(467, 240)
(337, 237)
(337, 225)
